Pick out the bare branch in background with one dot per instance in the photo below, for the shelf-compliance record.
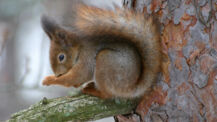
(26, 70)
(4, 32)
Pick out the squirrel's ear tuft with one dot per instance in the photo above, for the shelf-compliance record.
(58, 33)
(49, 26)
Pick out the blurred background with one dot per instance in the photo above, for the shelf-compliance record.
(24, 50)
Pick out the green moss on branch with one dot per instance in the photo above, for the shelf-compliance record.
(80, 107)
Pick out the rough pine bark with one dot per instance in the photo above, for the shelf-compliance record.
(187, 89)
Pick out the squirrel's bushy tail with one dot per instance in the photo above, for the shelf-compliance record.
(140, 30)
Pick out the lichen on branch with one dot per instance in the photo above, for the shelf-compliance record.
(74, 108)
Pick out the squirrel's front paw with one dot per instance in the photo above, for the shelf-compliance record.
(49, 80)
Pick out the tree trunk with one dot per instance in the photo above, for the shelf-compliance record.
(187, 90)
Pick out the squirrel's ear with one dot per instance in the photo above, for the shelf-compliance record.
(49, 26)
(57, 33)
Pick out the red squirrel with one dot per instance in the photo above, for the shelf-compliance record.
(116, 52)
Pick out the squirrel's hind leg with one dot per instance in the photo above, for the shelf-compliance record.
(117, 71)
(91, 89)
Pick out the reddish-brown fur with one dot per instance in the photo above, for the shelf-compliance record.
(119, 51)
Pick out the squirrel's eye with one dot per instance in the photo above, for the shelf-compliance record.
(61, 57)
(61, 36)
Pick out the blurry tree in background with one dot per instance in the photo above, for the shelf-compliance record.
(24, 48)
(13, 16)
(22, 64)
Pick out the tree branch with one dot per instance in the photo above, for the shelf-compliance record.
(81, 108)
